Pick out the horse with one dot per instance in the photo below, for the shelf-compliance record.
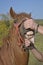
(11, 52)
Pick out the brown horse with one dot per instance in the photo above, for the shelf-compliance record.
(11, 53)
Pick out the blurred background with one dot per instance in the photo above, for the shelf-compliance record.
(35, 7)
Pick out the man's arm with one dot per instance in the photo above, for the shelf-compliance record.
(40, 29)
(34, 51)
(37, 54)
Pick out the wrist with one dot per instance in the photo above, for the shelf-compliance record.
(36, 28)
(31, 47)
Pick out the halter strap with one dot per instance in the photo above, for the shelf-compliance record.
(17, 32)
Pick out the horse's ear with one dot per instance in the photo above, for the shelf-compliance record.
(12, 13)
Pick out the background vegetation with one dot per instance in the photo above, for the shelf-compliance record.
(4, 28)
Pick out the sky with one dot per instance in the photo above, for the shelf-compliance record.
(35, 7)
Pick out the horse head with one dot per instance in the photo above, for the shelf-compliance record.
(20, 18)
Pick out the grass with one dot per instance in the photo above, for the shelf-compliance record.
(3, 31)
(38, 41)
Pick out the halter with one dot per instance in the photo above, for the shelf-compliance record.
(20, 36)
(17, 32)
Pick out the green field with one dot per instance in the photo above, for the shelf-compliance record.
(38, 41)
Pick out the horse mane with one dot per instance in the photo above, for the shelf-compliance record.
(11, 35)
(11, 51)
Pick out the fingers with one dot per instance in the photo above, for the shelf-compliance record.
(27, 42)
(29, 23)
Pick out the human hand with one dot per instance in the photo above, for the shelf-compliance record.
(27, 43)
(30, 23)
(29, 39)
